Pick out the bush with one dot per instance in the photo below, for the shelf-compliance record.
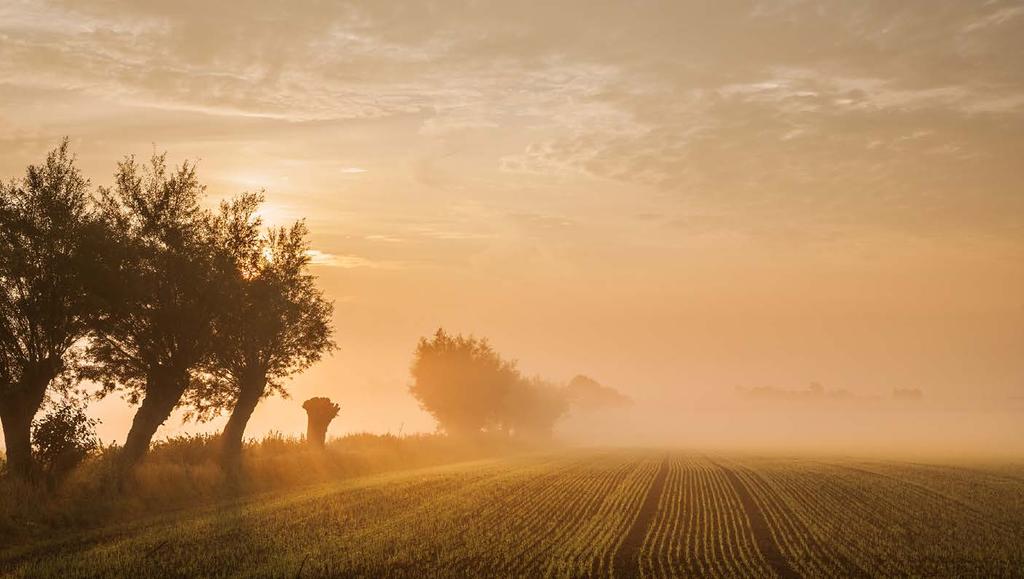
(63, 438)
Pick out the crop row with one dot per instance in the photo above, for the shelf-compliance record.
(840, 520)
(595, 513)
(701, 529)
(993, 490)
(540, 516)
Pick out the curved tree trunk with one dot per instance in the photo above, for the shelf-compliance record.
(17, 410)
(250, 392)
(162, 395)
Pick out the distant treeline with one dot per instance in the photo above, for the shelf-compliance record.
(816, 391)
(469, 388)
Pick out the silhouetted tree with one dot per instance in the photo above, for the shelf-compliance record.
(275, 321)
(531, 408)
(320, 412)
(162, 286)
(586, 393)
(461, 381)
(907, 394)
(45, 228)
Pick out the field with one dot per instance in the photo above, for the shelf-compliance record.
(598, 513)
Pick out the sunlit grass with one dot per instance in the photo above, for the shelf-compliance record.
(565, 513)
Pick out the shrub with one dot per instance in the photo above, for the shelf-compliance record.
(63, 438)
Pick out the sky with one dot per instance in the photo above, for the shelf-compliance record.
(675, 198)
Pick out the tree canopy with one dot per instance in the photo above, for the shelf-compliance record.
(468, 388)
(585, 393)
(46, 232)
(461, 381)
(531, 409)
(163, 286)
(274, 321)
(143, 291)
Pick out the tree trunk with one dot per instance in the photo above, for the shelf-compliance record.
(162, 394)
(250, 392)
(320, 413)
(316, 431)
(18, 437)
(17, 410)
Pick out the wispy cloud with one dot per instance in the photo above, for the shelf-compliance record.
(325, 259)
(384, 238)
(689, 105)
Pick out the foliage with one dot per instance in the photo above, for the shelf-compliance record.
(275, 321)
(47, 238)
(461, 381)
(63, 437)
(585, 393)
(172, 304)
(160, 289)
(532, 408)
(469, 388)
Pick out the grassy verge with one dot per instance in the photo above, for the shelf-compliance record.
(184, 472)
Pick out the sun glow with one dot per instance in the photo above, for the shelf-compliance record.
(276, 215)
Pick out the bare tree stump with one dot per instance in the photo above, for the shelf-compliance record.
(321, 411)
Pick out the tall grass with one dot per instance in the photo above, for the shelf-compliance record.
(185, 471)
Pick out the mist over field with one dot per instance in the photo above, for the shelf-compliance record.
(450, 288)
(867, 427)
(677, 200)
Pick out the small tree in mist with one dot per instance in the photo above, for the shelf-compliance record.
(461, 381)
(908, 394)
(531, 409)
(274, 321)
(320, 412)
(45, 232)
(585, 393)
(161, 291)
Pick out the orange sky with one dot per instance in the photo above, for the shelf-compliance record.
(676, 198)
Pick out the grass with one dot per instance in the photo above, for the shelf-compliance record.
(569, 513)
(185, 471)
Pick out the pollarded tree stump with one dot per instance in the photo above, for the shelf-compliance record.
(320, 411)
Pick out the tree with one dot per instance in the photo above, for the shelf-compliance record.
(320, 412)
(531, 409)
(461, 381)
(45, 228)
(588, 394)
(162, 287)
(907, 394)
(275, 321)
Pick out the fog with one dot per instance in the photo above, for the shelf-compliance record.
(870, 427)
(681, 200)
